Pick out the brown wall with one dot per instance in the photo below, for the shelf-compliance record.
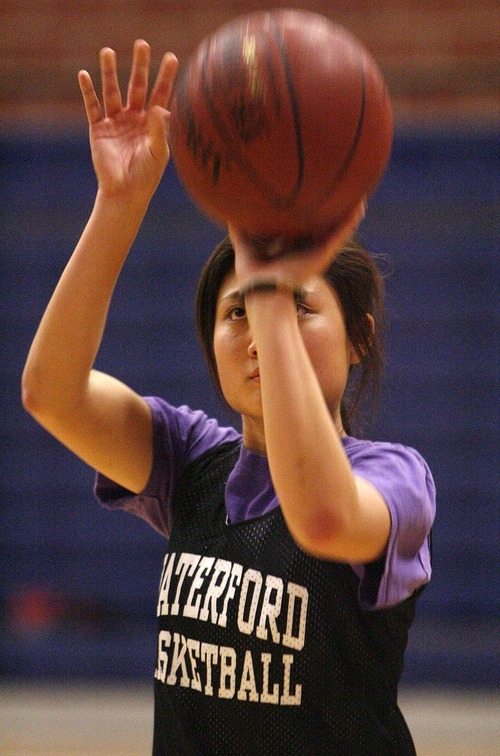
(440, 59)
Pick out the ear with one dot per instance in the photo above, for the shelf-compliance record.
(354, 357)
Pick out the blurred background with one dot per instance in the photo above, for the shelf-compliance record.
(78, 584)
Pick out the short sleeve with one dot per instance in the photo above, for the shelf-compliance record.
(404, 480)
(180, 435)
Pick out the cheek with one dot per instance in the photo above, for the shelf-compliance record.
(225, 347)
(329, 353)
(226, 350)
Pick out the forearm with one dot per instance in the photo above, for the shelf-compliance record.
(70, 333)
(311, 473)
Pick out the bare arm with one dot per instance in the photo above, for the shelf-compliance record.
(103, 421)
(330, 513)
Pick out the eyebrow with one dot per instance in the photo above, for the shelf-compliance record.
(234, 294)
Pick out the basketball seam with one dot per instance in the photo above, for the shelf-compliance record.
(287, 201)
(352, 151)
(279, 201)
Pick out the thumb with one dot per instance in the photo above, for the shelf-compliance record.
(350, 224)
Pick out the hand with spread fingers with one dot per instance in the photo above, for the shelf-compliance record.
(129, 142)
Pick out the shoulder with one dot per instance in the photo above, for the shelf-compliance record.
(404, 479)
(378, 459)
(362, 449)
(187, 433)
(181, 436)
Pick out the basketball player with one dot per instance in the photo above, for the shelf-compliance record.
(296, 552)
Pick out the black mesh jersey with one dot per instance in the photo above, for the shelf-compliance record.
(263, 649)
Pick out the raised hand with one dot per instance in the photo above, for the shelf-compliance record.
(293, 265)
(129, 143)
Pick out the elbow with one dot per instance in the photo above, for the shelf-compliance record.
(321, 536)
(30, 395)
(33, 395)
(50, 400)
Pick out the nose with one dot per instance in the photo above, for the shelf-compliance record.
(252, 348)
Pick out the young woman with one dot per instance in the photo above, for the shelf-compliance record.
(296, 552)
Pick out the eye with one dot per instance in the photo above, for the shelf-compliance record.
(236, 313)
(303, 310)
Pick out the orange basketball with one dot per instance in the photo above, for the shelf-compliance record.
(281, 124)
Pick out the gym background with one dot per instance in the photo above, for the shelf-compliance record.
(77, 584)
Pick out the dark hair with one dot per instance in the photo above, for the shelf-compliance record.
(359, 285)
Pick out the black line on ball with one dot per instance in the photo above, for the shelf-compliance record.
(295, 110)
(352, 151)
(320, 200)
(272, 79)
(233, 152)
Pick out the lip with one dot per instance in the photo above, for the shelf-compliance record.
(254, 374)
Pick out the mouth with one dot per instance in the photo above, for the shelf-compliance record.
(254, 375)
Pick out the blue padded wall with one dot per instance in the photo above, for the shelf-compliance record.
(77, 584)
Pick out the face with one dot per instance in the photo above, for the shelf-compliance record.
(322, 328)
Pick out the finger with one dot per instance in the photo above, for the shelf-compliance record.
(90, 99)
(138, 83)
(160, 94)
(158, 129)
(110, 87)
(350, 224)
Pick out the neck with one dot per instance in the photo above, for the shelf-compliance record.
(253, 434)
(254, 437)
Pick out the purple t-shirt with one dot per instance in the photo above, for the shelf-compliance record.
(399, 473)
